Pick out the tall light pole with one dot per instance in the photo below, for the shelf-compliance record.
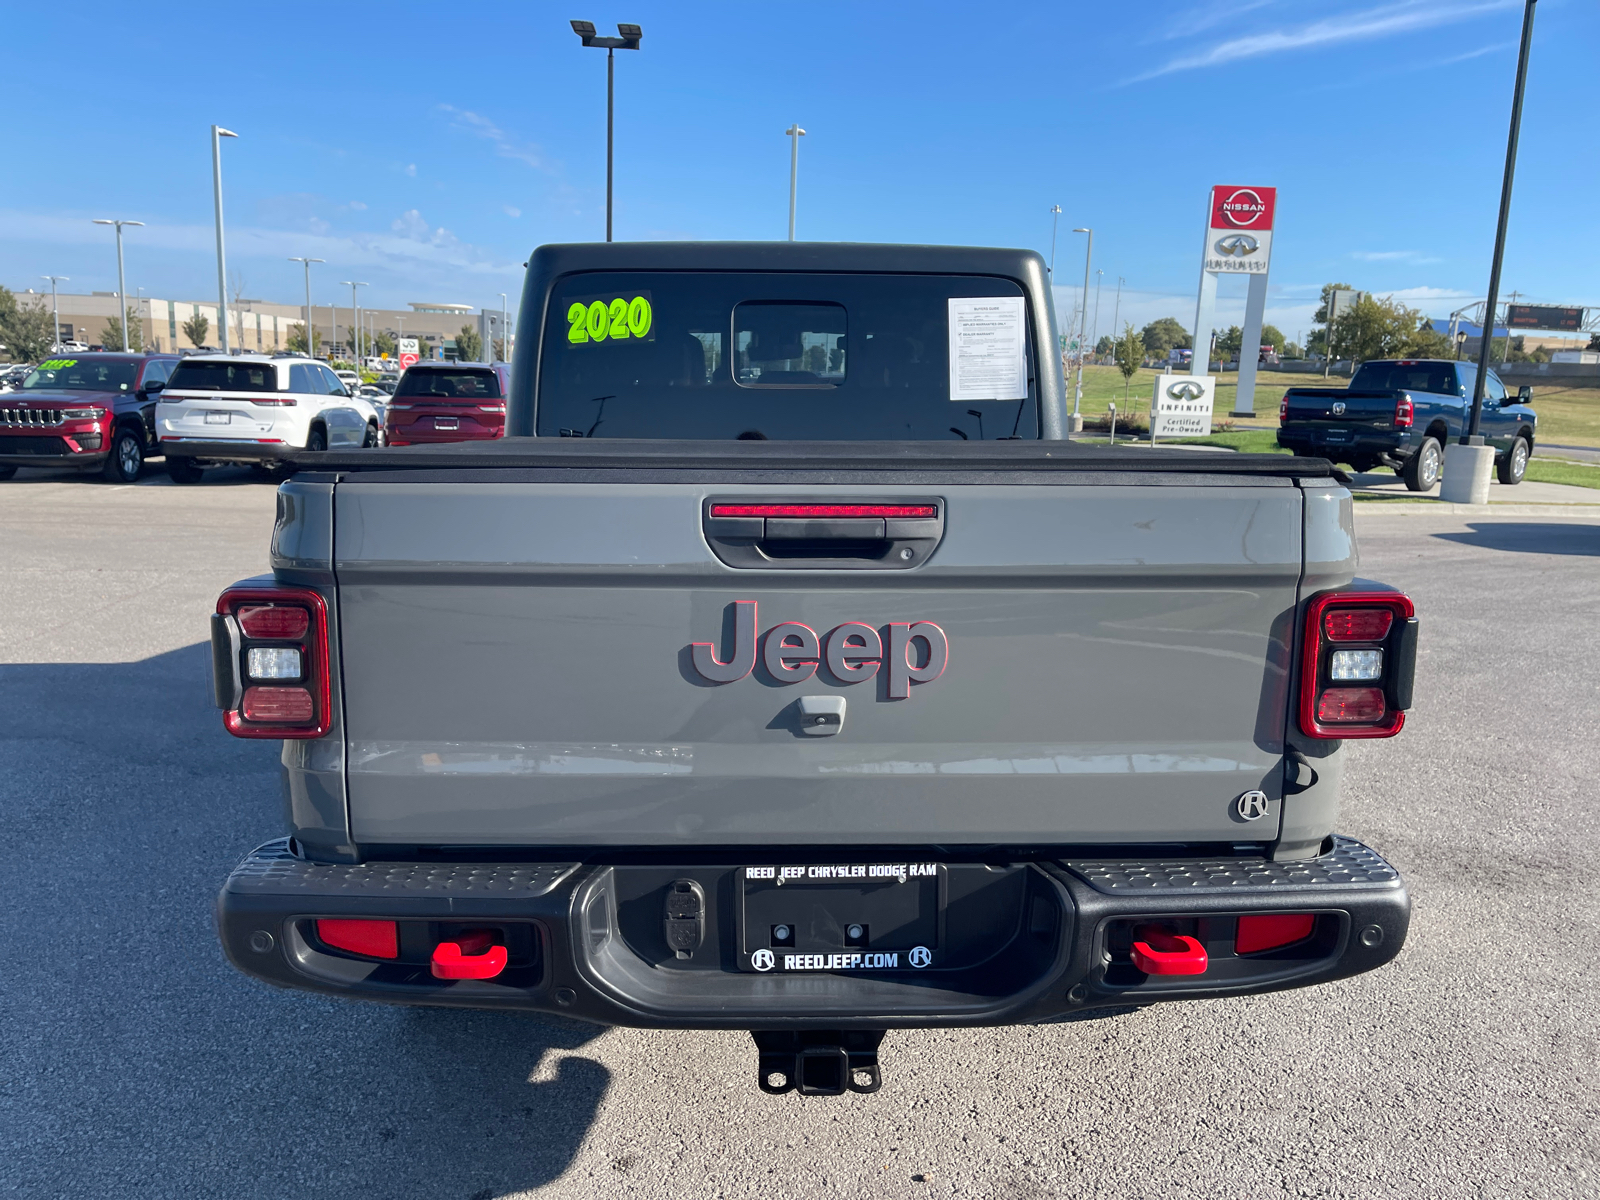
(217, 134)
(311, 341)
(1055, 220)
(55, 307)
(631, 36)
(1083, 318)
(795, 134)
(1467, 479)
(505, 332)
(355, 318)
(1116, 312)
(1094, 335)
(122, 283)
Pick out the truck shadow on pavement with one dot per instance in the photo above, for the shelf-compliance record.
(140, 1063)
(1530, 537)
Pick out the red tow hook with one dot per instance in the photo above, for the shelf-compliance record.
(1163, 952)
(473, 955)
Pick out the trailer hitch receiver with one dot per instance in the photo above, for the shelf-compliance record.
(818, 1062)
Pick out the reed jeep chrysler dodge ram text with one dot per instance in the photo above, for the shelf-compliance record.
(785, 669)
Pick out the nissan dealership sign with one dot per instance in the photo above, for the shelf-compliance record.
(1239, 239)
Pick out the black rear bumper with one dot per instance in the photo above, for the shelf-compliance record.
(1341, 443)
(1023, 942)
(227, 451)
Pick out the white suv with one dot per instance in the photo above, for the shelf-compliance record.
(252, 409)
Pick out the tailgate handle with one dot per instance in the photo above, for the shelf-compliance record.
(808, 534)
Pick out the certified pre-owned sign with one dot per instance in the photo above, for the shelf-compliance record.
(1181, 406)
(1239, 237)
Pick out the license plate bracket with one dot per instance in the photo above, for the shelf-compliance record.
(219, 418)
(841, 917)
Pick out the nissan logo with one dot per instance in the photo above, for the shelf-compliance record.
(1188, 389)
(1237, 244)
(1244, 207)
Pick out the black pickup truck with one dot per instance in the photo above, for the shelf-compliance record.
(1402, 414)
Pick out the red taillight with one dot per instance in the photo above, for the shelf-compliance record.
(1351, 705)
(375, 939)
(492, 408)
(275, 616)
(1404, 414)
(1357, 636)
(281, 621)
(1272, 931)
(1357, 624)
(280, 705)
(1283, 408)
(274, 401)
(914, 511)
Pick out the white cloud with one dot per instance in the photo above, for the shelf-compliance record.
(1404, 256)
(504, 144)
(1478, 53)
(411, 170)
(358, 206)
(511, 210)
(1387, 21)
(410, 224)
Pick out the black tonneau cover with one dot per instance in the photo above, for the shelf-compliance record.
(527, 453)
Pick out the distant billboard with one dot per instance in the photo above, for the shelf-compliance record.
(1540, 316)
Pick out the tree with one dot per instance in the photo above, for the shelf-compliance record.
(27, 329)
(196, 328)
(236, 286)
(1229, 344)
(1166, 334)
(1428, 342)
(1271, 336)
(296, 340)
(1106, 345)
(1130, 356)
(381, 343)
(1594, 341)
(1373, 328)
(111, 335)
(469, 346)
(1292, 350)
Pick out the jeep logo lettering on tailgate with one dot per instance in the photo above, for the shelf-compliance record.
(791, 652)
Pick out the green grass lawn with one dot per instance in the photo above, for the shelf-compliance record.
(1545, 470)
(1567, 415)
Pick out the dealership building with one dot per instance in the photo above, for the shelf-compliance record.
(262, 326)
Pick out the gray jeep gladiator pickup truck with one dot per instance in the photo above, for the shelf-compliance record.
(787, 670)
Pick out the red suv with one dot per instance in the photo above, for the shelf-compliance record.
(95, 412)
(448, 402)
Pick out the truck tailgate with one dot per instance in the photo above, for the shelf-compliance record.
(518, 665)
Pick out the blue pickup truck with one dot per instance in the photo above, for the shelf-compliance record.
(1402, 414)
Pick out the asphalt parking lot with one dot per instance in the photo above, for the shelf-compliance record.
(137, 1063)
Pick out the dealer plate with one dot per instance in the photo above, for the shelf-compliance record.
(218, 418)
(844, 917)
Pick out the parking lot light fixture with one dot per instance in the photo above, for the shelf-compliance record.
(217, 134)
(631, 36)
(795, 134)
(1083, 329)
(55, 307)
(355, 318)
(122, 283)
(311, 342)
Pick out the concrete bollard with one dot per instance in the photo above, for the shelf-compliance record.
(1466, 474)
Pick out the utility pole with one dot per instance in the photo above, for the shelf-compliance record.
(631, 36)
(311, 341)
(505, 331)
(1471, 477)
(1095, 335)
(1083, 320)
(1055, 220)
(795, 134)
(355, 314)
(55, 307)
(122, 283)
(1116, 312)
(217, 134)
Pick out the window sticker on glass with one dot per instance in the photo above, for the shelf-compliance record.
(57, 364)
(988, 348)
(595, 319)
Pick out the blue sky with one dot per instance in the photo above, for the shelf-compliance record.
(428, 150)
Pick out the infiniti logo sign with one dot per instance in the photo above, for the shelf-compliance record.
(1238, 245)
(1187, 389)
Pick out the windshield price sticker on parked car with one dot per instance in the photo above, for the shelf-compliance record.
(57, 364)
(610, 319)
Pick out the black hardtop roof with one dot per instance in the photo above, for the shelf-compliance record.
(433, 364)
(836, 257)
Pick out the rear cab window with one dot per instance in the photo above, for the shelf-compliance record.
(787, 356)
(434, 386)
(193, 376)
